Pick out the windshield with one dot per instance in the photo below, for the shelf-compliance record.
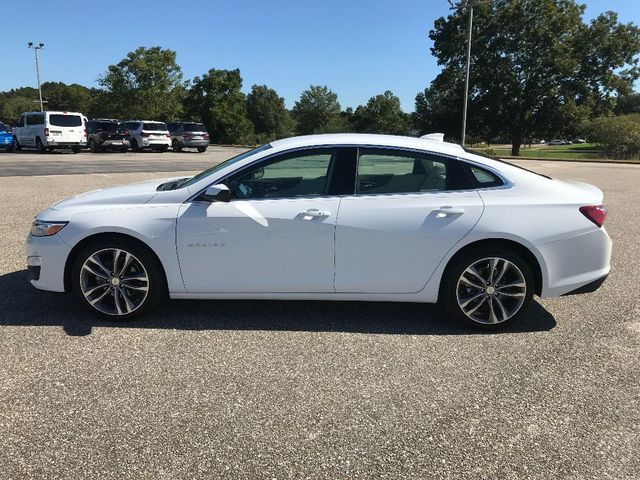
(4, 127)
(154, 126)
(59, 120)
(190, 181)
(194, 127)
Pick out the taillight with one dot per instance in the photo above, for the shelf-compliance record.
(595, 213)
(46, 132)
(206, 135)
(168, 135)
(144, 134)
(188, 135)
(125, 132)
(85, 132)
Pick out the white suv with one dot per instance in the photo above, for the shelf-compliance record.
(51, 130)
(147, 134)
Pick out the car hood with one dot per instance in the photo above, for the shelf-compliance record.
(133, 194)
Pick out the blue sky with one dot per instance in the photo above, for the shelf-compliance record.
(358, 48)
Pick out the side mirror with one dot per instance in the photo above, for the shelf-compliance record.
(217, 193)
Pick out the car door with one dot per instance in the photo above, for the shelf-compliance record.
(20, 131)
(275, 235)
(409, 209)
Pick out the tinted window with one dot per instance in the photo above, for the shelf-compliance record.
(108, 126)
(293, 175)
(396, 171)
(173, 126)
(35, 119)
(60, 120)
(4, 127)
(484, 177)
(154, 127)
(194, 127)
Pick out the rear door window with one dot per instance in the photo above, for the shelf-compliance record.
(387, 171)
(61, 120)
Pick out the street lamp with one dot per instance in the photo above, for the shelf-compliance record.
(35, 51)
(461, 5)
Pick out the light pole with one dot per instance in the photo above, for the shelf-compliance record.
(35, 51)
(461, 5)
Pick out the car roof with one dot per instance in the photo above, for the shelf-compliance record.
(370, 140)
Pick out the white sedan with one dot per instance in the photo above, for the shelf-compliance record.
(330, 217)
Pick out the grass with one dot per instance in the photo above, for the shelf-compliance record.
(579, 151)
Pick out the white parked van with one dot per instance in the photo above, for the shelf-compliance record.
(51, 130)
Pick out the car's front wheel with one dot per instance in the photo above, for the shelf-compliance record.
(488, 288)
(117, 279)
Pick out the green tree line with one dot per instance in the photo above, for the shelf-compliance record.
(538, 71)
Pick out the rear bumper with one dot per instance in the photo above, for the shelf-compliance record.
(53, 144)
(115, 144)
(589, 287)
(195, 143)
(575, 262)
(156, 143)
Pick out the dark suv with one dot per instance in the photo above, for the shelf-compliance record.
(106, 134)
(188, 135)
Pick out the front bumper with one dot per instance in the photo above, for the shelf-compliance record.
(46, 259)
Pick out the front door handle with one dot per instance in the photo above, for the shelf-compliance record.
(315, 213)
(447, 211)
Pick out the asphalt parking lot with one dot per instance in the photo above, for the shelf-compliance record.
(239, 389)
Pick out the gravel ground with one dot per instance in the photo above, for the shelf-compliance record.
(317, 390)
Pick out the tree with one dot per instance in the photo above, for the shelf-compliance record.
(382, 114)
(617, 137)
(147, 84)
(629, 103)
(216, 100)
(267, 111)
(317, 110)
(12, 107)
(536, 69)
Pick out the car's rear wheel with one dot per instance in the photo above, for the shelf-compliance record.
(176, 146)
(202, 149)
(16, 144)
(488, 288)
(76, 149)
(93, 146)
(117, 279)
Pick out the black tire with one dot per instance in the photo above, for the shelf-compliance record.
(76, 149)
(39, 146)
(157, 287)
(451, 280)
(176, 146)
(93, 146)
(134, 145)
(202, 149)
(16, 144)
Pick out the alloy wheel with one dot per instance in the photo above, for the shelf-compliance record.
(114, 281)
(491, 290)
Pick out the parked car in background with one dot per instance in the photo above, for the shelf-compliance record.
(106, 134)
(579, 140)
(557, 142)
(147, 134)
(50, 131)
(188, 135)
(6, 137)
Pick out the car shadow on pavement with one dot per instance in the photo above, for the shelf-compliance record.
(23, 305)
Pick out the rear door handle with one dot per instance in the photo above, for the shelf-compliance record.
(447, 211)
(315, 213)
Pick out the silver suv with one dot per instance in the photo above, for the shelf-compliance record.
(188, 135)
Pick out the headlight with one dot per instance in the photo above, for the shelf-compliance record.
(45, 229)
